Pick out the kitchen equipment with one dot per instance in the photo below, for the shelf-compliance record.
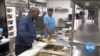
(1, 32)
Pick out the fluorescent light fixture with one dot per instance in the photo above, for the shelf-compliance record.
(43, 1)
(25, 0)
(87, 3)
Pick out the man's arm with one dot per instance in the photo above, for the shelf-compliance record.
(45, 20)
(47, 29)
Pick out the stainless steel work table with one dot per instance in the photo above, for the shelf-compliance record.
(60, 41)
(86, 33)
(80, 51)
(38, 48)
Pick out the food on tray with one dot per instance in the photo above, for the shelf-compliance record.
(52, 40)
(49, 38)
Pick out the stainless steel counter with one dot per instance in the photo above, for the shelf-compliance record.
(60, 41)
(80, 51)
(86, 33)
(40, 47)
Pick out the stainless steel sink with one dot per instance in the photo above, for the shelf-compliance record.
(42, 54)
(58, 48)
(49, 47)
(46, 54)
(61, 49)
(53, 50)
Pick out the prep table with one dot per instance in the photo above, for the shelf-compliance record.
(41, 47)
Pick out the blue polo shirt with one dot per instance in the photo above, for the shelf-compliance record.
(49, 20)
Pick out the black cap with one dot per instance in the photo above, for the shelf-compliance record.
(50, 9)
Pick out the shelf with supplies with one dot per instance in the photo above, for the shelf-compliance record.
(11, 31)
(11, 21)
(10, 28)
(9, 13)
(60, 9)
(11, 36)
(10, 25)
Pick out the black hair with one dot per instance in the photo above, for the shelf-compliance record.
(50, 9)
(33, 9)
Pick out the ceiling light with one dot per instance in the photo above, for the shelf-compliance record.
(87, 3)
(41, 1)
(24, 0)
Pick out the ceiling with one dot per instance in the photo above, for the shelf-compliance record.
(88, 4)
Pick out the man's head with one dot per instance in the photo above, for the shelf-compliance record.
(50, 11)
(34, 12)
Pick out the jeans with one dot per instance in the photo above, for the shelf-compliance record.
(19, 49)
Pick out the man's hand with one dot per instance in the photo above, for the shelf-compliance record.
(47, 29)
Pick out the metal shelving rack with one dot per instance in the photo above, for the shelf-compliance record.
(17, 7)
(86, 32)
(11, 22)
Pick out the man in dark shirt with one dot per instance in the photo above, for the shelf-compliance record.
(26, 32)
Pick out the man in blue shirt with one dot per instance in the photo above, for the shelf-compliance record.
(49, 22)
(26, 32)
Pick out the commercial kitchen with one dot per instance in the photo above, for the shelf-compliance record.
(76, 21)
